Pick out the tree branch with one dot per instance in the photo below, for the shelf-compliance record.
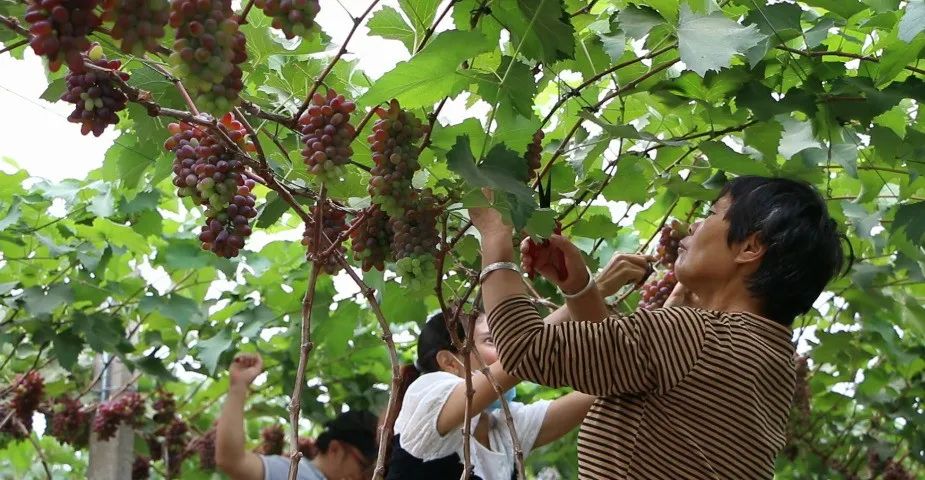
(836, 53)
(14, 46)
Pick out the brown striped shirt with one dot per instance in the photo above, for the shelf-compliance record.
(684, 393)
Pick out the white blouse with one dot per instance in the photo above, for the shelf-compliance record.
(417, 425)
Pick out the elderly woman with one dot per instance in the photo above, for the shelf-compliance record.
(685, 391)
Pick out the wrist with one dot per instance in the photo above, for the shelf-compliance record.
(239, 387)
(578, 284)
(497, 248)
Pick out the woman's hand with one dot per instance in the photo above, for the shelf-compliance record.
(623, 269)
(559, 260)
(487, 220)
(245, 368)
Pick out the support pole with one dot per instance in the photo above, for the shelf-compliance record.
(111, 460)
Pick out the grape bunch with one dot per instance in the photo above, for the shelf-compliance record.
(308, 448)
(208, 50)
(141, 468)
(273, 440)
(206, 171)
(293, 17)
(165, 407)
(70, 423)
(59, 30)
(327, 133)
(139, 24)
(95, 96)
(657, 291)
(334, 222)
(125, 409)
(669, 241)
(533, 155)
(205, 448)
(415, 239)
(395, 156)
(896, 471)
(28, 391)
(237, 133)
(372, 241)
(175, 437)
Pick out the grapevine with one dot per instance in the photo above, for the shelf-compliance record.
(205, 448)
(334, 222)
(125, 409)
(668, 243)
(69, 422)
(27, 395)
(208, 51)
(657, 291)
(293, 17)
(273, 440)
(96, 98)
(372, 240)
(659, 288)
(396, 158)
(206, 171)
(59, 30)
(141, 468)
(415, 240)
(533, 155)
(175, 438)
(138, 23)
(327, 133)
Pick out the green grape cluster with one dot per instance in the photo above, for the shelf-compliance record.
(96, 98)
(415, 239)
(139, 24)
(293, 17)
(209, 173)
(208, 50)
(327, 134)
(395, 154)
(372, 241)
(334, 222)
(60, 29)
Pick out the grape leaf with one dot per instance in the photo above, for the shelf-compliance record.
(67, 346)
(12, 215)
(431, 74)
(912, 21)
(211, 349)
(724, 158)
(421, 13)
(511, 85)
(637, 21)
(843, 8)
(708, 42)
(910, 220)
(39, 301)
(388, 23)
(541, 28)
(796, 137)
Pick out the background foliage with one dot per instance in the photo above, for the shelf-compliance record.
(647, 105)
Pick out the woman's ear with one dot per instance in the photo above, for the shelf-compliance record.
(448, 362)
(751, 250)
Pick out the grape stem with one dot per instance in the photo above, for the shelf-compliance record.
(243, 17)
(14, 46)
(306, 345)
(340, 53)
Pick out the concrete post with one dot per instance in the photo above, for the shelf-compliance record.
(112, 459)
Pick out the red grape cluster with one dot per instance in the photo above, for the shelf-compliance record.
(668, 242)
(27, 394)
(205, 448)
(273, 440)
(125, 409)
(141, 468)
(293, 17)
(657, 291)
(70, 423)
(96, 98)
(308, 448)
(327, 133)
(334, 222)
(175, 437)
(896, 471)
(138, 23)
(209, 173)
(533, 155)
(60, 28)
(208, 51)
(396, 158)
(415, 240)
(372, 241)
(165, 407)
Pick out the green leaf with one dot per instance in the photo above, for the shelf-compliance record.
(815, 35)
(422, 14)
(542, 28)
(797, 136)
(843, 8)
(912, 21)
(910, 220)
(104, 333)
(39, 301)
(708, 42)
(55, 89)
(210, 350)
(511, 85)
(625, 185)
(272, 210)
(180, 309)
(118, 235)
(12, 215)
(896, 55)
(637, 21)
(542, 222)
(724, 158)
(185, 254)
(155, 367)
(388, 23)
(431, 74)
(67, 347)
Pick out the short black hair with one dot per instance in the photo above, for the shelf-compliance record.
(802, 241)
(356, 427)
(435, 337)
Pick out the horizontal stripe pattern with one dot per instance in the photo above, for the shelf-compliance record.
(683, 392)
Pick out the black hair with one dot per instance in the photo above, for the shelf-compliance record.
(356, 427)
(803, 244)
(434, 337)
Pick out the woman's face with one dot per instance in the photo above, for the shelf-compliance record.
(705, 257)
(484, 345)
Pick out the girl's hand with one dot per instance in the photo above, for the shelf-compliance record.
(558, 260)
